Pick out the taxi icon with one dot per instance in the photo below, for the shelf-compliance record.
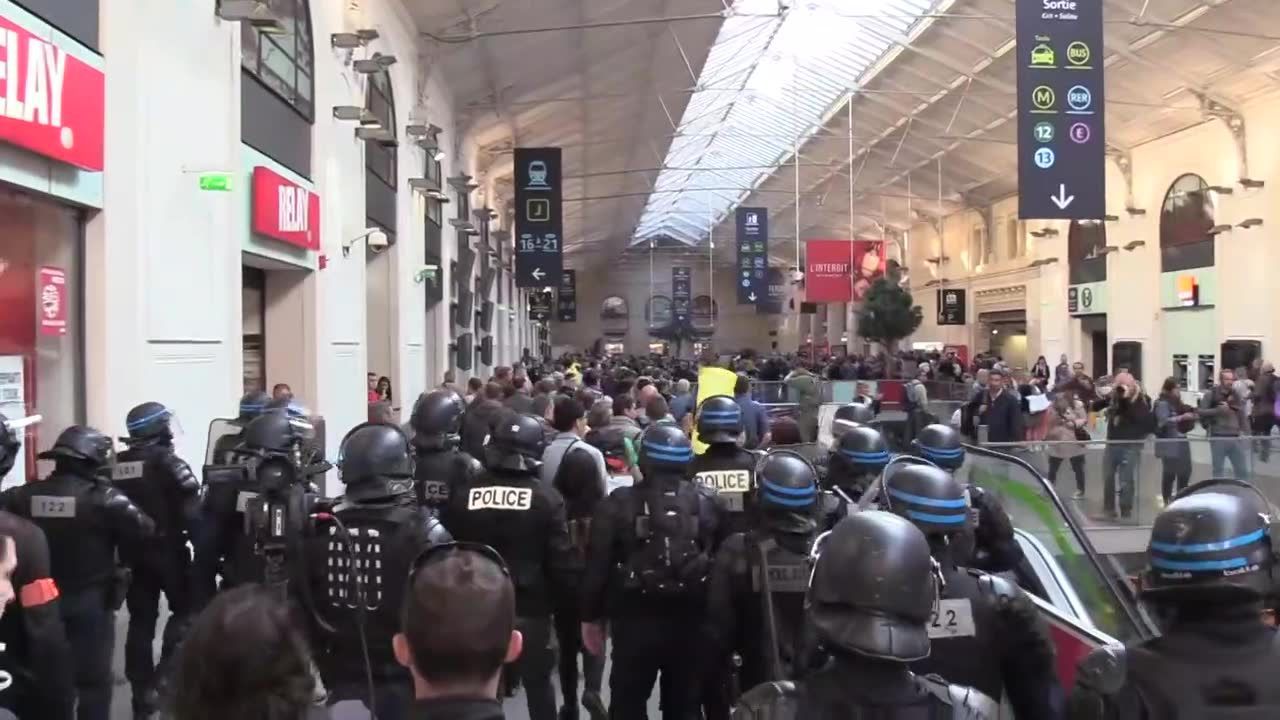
(1042, 55)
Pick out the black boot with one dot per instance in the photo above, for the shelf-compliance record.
(595, 705)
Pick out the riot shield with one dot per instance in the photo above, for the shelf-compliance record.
(222, 439)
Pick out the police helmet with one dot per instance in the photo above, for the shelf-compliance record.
(436, 418)
(873, 588)
(941, 445)
(859, 451)
(516, 443)
(9, 446)
(149, 421)
(850, 415)
(81, 443)
(719, 420)
(252, 404)
(1210, 545)
(374, 461)
(271, 433)
(665, 447)
(786, 492)
(927, 496)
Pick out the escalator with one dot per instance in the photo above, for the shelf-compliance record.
(1084, 596)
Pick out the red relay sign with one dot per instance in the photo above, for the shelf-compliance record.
(51, 102)
(284, 210)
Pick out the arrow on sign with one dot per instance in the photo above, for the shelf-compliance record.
(752, 296)
(1062, 199)
(538, 274)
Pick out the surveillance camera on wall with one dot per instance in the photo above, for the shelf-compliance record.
(377, 240)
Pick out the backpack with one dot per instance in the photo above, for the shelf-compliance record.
(666, 558)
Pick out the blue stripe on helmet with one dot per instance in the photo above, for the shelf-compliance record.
(928, 501)
(720, 413)
(713, 422)
(142, 421)
(252, 407)
(786, 501)
(808, 492)
(880, 456)
(1249, 539)
(940, 519)
(1229, 564)
(943, 452)
(668, 453)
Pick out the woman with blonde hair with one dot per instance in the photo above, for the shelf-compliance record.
(1067, 422)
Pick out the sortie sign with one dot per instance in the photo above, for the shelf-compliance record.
(284, 210)
(51, 102)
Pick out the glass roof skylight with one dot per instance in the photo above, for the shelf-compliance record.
(769, 80)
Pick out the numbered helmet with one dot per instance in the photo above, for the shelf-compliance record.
(851, 415)
(516, 444)
(665, 447)
(375, 461)
(149, 421)
(81, 443)
(859, 452)
(941, 445)
(252, 404)
(1210, 545)
(719, 420)
(437, 419)
(786, 492)
(873, 588)
(929, 497)
(10, 443)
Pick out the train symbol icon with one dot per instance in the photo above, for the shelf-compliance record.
(1080, 133)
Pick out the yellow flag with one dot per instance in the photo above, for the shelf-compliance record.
(712, 381)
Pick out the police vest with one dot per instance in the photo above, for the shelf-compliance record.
(732, 477)
(965, 636)
(1216, 686)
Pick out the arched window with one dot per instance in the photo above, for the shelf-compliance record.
(1186, 225)
(1086, 260)
(704, 313)
(614, 316)
(658, 311)
(380, 156)
(284, 62)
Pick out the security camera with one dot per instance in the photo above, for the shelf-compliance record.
(377, 240)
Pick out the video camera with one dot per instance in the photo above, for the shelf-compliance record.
(280, 517)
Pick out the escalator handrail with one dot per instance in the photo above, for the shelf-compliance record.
(1136, 617)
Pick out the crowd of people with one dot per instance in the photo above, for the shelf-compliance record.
(516, 527)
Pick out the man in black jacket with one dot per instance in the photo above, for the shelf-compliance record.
(479, 420)
(1129, 420)
(997, 408)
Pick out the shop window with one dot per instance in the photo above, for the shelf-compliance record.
(277, 92)
(380, 158)
(1085, 259)
(41, 326)
(1186, 225)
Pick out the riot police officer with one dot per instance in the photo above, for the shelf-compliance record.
(725, 468)
(511, 510)
(440, 464)
(35, 652)
(84, 519)
(378, 530)
(986, 632)
(252, 404)
(755, 605)
(869, 602)
(646, 572)
(162, 485)
(1210, 562)
(990, 542)
(851, 415)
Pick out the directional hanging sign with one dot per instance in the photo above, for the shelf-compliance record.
(567, 297)
(681, 295)
(1062, 149)
(539, 232)
(539, 305)
(951, 306)
(772, 304)
(753, 255)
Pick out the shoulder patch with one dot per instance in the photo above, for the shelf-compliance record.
(995, 586)
(127, 470)
(497, 497)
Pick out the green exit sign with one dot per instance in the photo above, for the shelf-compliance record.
(215, 181)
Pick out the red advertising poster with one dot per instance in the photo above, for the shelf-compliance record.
(284, 210)
(52, 303)
(51, 102)
(840, 270)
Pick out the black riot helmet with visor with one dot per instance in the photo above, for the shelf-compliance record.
(719, 420)
(664, 448)
(252, 404)
(859, 454)
(1215, 542)
(516, 444)
(786, 492)
(82, 449)
(929, 497)
(375, 461)
(851, 415)
(941, 445)
(437, 419)
(151, 422)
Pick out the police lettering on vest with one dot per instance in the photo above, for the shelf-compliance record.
(52, 506)
(953, 618)
(127, 471)
(784, 578)
(436, 490)
(725, 481)
(500, 498)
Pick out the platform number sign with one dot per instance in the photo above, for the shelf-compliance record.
(1061, 133)
(539, 232)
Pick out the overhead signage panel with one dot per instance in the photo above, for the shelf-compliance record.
(1061, 129)
(681, 295)
(567, 297)
(539, 305)
(951, 306)
(539, 229)
(752, 240)
(772, 304)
